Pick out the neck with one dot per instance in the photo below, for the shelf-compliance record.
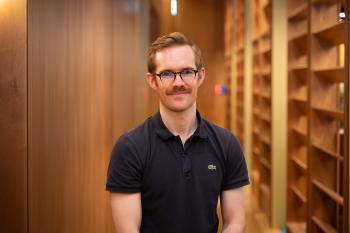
(180, 123)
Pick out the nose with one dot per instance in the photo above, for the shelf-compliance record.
(178, 80)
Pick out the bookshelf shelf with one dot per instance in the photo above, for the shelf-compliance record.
(256, 151)
(265, 33)
(264, 189)
(265, 140)
(300, 131)
(298, 13)
(301, 69)
(300, 163)
(265, 163)
(299, 194)
(336, 115)
(256, 131)
(265, 95)
(324, 150)
(329, 192)
(299, 38)
(334, 74)
(265, 118)
(299, 99)
(334, 34)
(296, 227)
(324, 227)
(266, 51)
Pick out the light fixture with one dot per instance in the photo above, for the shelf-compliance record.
(342, 13)
(173, 7)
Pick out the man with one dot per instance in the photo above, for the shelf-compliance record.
(166, 175)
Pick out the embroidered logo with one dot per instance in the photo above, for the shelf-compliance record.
(211, 167)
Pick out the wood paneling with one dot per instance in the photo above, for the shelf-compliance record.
(83, 63)
(69, 73)
(13, 117)
(125, 71)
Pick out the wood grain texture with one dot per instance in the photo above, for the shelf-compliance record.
(82, 59)
(125, 66)
(13, 117)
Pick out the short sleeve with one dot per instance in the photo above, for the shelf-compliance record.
(236, 173)
(125, 168)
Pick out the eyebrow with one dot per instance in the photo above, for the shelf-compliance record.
(186, 68)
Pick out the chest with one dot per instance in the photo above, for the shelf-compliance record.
(174, 169)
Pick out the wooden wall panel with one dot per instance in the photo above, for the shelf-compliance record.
(13, 117)
(84, 59)
(130, 95)
(125, 66)
(70, 126)
(203, 22)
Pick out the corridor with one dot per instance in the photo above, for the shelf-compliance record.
(74, 78)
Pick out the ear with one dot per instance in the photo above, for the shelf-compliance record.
(151, 80)
(201, 76)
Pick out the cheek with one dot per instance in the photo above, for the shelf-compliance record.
(161, 92)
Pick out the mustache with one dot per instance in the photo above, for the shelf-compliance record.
(178, 90)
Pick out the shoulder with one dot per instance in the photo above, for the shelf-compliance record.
(141, 132)
(223, 135)
(136, 138)
(223, 141)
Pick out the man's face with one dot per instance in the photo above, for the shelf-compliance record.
(180, 94)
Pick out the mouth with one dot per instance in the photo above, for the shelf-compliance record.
(178, 93)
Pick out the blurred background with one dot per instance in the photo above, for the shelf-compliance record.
(72, 80)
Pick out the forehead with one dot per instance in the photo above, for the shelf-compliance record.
(175, 57)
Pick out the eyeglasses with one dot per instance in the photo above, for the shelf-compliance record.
(187, 75)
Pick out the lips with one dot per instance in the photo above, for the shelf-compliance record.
(179, 93)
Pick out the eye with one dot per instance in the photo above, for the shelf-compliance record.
(187, 73)
(167, 74)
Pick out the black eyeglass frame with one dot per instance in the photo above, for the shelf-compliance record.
(175, 73)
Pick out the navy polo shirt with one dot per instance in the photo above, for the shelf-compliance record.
(179, 184)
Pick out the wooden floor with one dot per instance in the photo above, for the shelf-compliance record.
(256, 222)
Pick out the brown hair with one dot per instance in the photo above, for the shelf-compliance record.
(175, 38)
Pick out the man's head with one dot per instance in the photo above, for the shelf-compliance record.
(175, 38)
(175, 72)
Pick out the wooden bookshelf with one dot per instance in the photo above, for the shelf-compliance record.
(255, 163)
(326, 112)
(318, 112)
(238, 16)
(228, 39)
(261, 120)
(298, 88)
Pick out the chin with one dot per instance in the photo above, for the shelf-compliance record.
(177, 105)
(178, 108)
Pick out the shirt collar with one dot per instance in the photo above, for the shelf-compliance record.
(164, 133)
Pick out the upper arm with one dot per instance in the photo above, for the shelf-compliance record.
(125, 167)
(126, 212)
(233, 209)
(124, 182)
(236, 172)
